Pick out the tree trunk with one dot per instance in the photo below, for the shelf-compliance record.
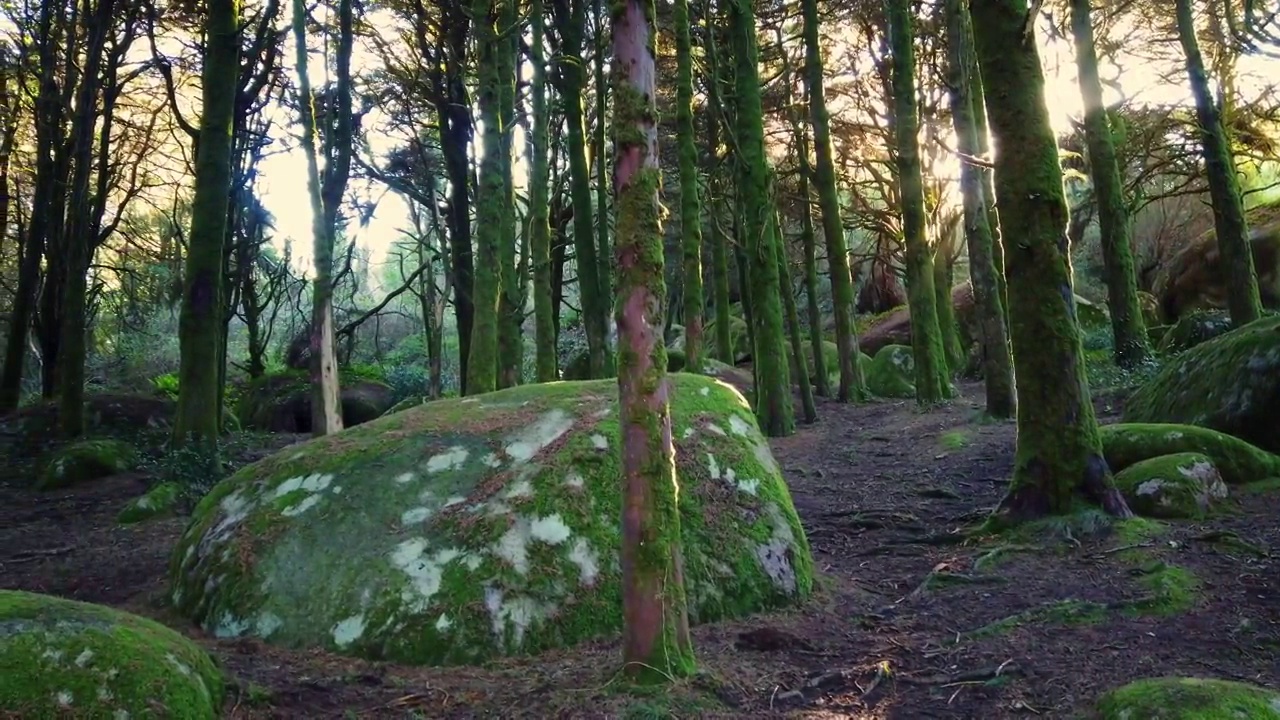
(1059, 459)
(539, 227)
(988, 302)
(943, 282)
(985, 175)
(1243, 300)
(932, 382)
(483, 366)
(809, 242)
(690, 207)
(773, 387)
(604, 255)
(197, 420)
(853, 386)
(787, 291)
(656, 643)
(1127, 328)
(510, 302)
(326, 414)
(719, 240)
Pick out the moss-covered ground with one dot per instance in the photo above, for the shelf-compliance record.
(911, 615)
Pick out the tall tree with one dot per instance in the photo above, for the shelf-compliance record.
(1059, 459)
(656, 642)
(852, 384)
(1128, 332)
(932, 379)
(690, 207)
(482, 371)
(539, 227)
(326, 412)
(988, 300)
(719, 239)
(773, 387)
(199, 331)
(1243, 300)
(510, 300)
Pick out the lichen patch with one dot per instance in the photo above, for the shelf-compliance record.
(451, 459)
(349, 630)
(523, 446)
(587, 561)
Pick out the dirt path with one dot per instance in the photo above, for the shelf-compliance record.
(881, 488)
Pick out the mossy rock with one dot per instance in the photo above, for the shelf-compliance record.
(1193, 329)
(579, 368)
(1176, 698)
(405, 404)
(1124, 444)
(281, 402)
(32, 431)
(63, 658)
(87, 460)
(739, 338)
(159, 500)
(467, 529)
(1230, 384)
(1149, 305)
(1091, 315)
(1181, 485)
(892, 372)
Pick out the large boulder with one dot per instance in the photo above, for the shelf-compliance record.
(464, 529)
(1181, 485)
(1230, 384)
(87, 460)
(892, 372)
(1194, 279)
(1175, 698)
(63, 658)
(1125, 444)
(281, 402)
(1195, 327)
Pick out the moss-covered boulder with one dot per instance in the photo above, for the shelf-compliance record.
(159, 500)
(1175, 698)
(87, 460)
(1230, 384)
(1193, 329)
(465, 529)
(892, 372)
(281, 402)
(579, 368)
(32, 431)
(62, 658)
(1150, 307)
(1181, 485)
(1124, 444)
(406, 403)
(1091, 315)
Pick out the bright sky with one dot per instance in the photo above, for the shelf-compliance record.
(283, 178)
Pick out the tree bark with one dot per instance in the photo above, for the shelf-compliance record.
(690, 206)
(932, 379)
(719, 239)
(510, 300)
(656, 642)
(1243, 301)
(1129, 334)
(1058, 461)
(539, 226)
(787, 291)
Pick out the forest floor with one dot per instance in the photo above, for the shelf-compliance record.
(906, 622)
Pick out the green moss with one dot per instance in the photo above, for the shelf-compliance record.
(891, 373)
(1174, 698)
(159, 500)
(62, 658)
(1125, 444)
(87, 460)
(496, 512)
(1193, 329)
(1180, 485)
(1062, 612)
(1230, 384)
(954, 439)
(1170, 589)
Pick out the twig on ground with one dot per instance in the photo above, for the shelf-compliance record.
(1008, 667)
(32, 555)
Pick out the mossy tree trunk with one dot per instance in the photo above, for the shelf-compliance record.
(985, 175)
(482, 376)
(719, 240)
(944, 275)
(690, 207)
(1127, 328)
(932, 382)
(1059, 459)
(571, 20)
(988, 300)
(604, 254)
(199, 334)
(852, 385)
(539, 225)
(1243, 300)
(326, 412)
(656, 642)
(773, 387)
(787, 291)
(510, 297)
(810, 245)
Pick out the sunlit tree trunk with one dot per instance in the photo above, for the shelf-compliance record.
(932, 383)
(482, 370)
(1127, 329)
(656, 643)
(985, 175)
(997, 363)
(773, 387)
(690, 207)
(1243, 300)
(719, 240)
(199, 326)
(1058, 462)
(852, 385)
(809, 242)
(539, 227)
(510, 302)
(603, 252)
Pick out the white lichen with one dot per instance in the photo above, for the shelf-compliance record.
(599, 442)
(307, 503)
(451, 459)
(349, 630)
(551, 529)
(426, 572)
(404, 478)
(413, 516)
(586, 559)
(738, 426)
(574, 479)
(527, 443)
